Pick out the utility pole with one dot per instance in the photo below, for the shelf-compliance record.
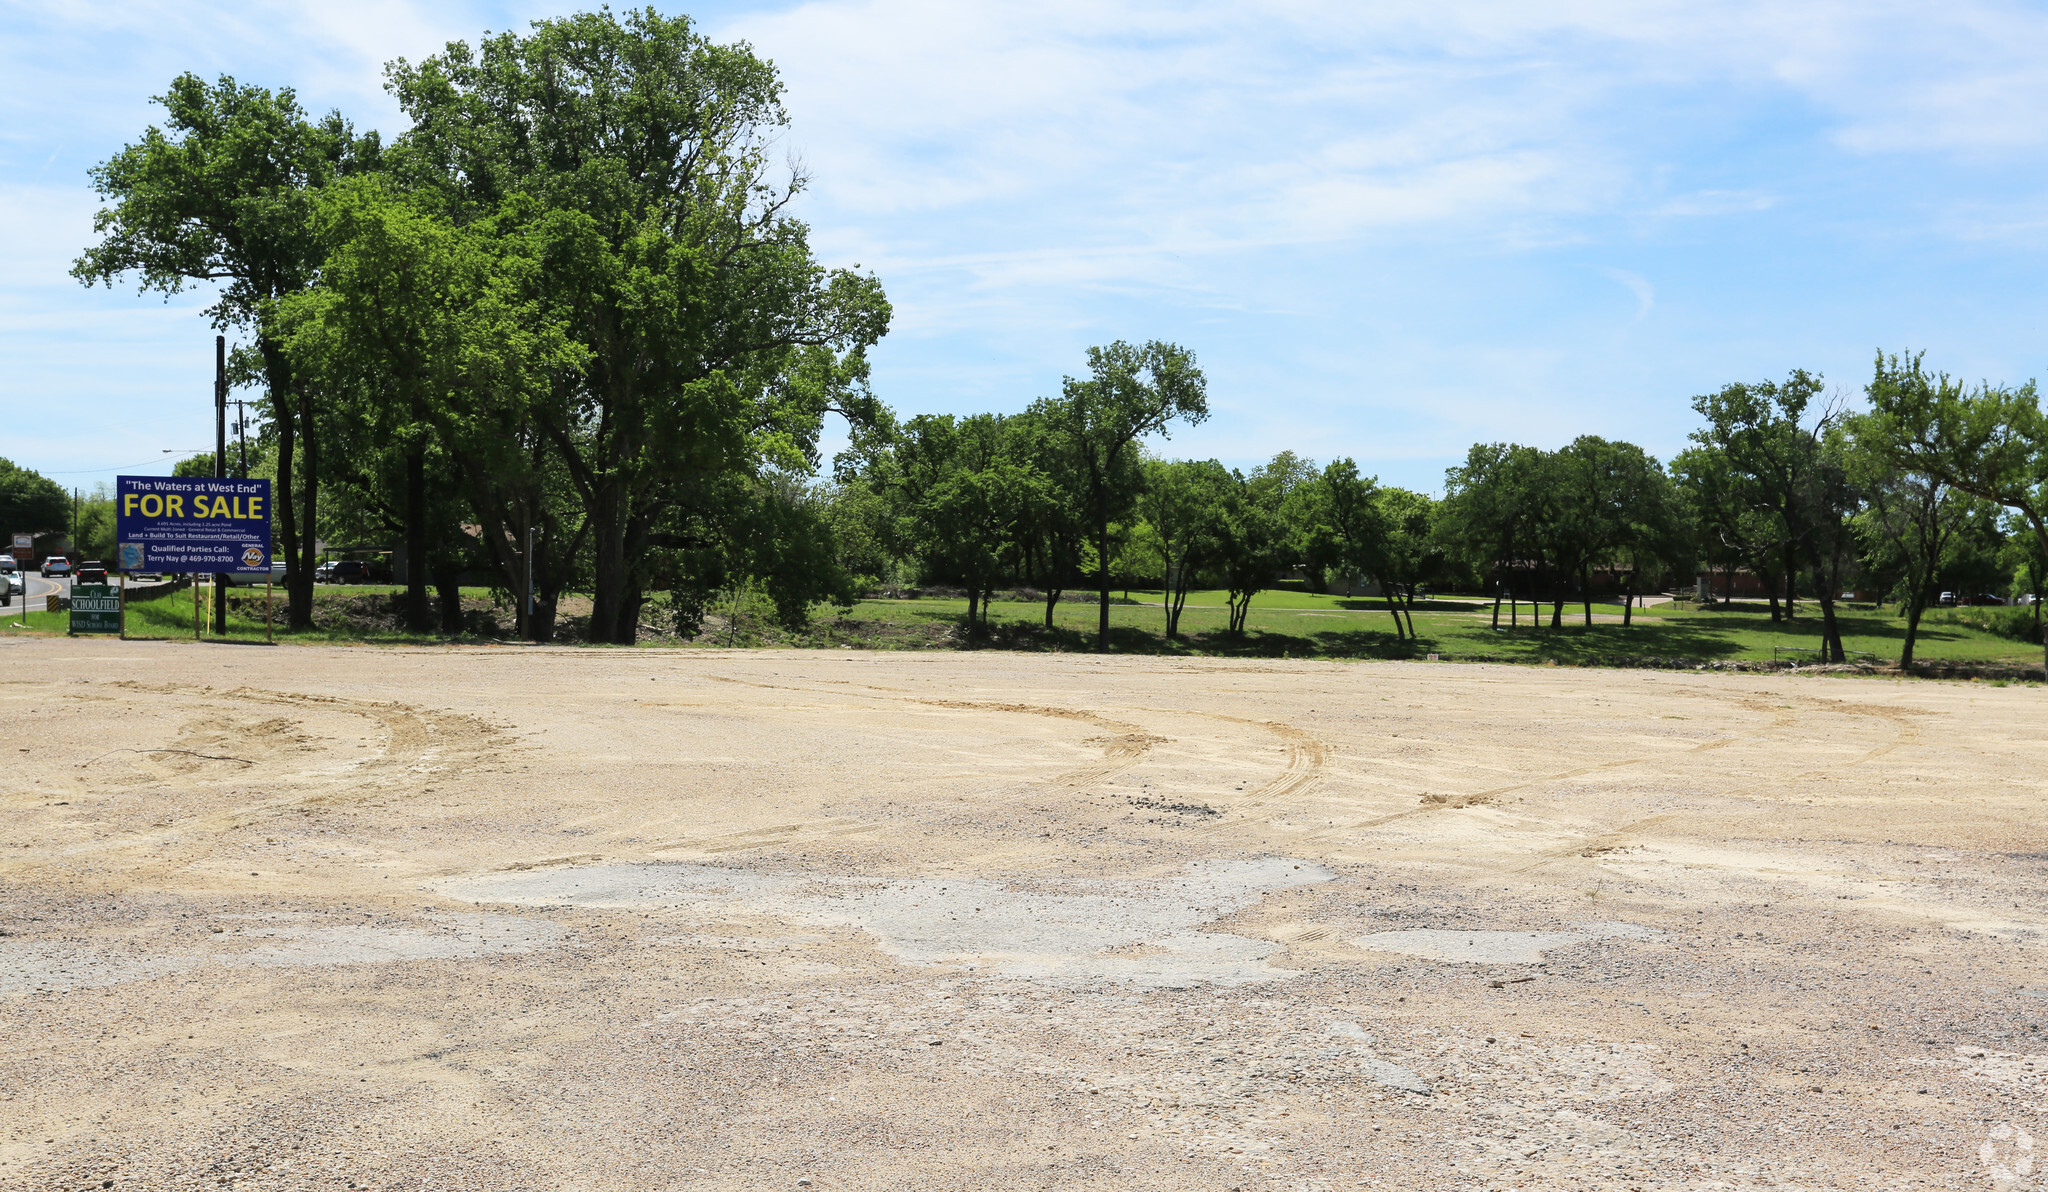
(220, 465)
(242, 433)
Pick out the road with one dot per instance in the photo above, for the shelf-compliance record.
(37, 592)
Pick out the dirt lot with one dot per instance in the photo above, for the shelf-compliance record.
(548, 919)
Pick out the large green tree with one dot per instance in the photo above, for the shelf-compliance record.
(1616, 510)
(1493, 516)
(1131, 394)
(30, 502)
(1775, 438)
(428, 346)
(967, 500)
(224, 195)
(713, 342)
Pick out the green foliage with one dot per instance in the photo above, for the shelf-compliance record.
(712, 343)
(1131, 393)
(1990, 442)
(226, 197)
(30, 502)
(1182, 505)
(1251, 540)
(2011, 623)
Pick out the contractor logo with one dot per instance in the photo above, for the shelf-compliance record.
(254, 558)
(2008, 1154)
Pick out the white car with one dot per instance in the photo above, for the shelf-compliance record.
(246, 578)
(56, 565)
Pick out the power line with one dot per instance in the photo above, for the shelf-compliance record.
(118, 467)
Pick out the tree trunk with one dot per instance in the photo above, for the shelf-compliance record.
(1393, 609)
(1102, 569)
(1831, 631)
(973, 604)
(1052, 597)
(1628, 599)
(1829, 583)
(2041, 536)
(1915, 605)
(608, 623)
(1496, 604)
(418, 615)
(284, 414)
(450, 593)
(284, 500)
(309, 526)
(1791, 581)
(1586, 593)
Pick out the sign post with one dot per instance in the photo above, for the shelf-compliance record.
(196, 526)
(24, 547)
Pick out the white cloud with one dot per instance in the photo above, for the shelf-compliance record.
(1638, 285)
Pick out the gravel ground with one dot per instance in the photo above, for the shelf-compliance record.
(313, 918)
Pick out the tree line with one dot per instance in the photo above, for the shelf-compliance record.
(564, 331)
(1933, 482)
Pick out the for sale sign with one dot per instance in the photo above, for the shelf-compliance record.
(191, 524)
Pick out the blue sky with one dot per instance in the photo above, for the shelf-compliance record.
(1386, 230)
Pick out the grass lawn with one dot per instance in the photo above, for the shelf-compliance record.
(1304, 625)
(1283, 623)
(170, 616)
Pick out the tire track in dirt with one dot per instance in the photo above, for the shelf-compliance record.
(1307, 754)
(1124, 747)
(1783, 716)
(419, 742)
(1307, 757)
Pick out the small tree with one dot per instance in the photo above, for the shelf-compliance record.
(1493, 513)
(1781, 455)
(1181, 504)
(1990, 442)
(1054, 539)
(1908, 523)
(1131, 394)
(1407, 548)
(1251, 540)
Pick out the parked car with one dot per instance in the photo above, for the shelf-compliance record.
(56, 565)
(342, 571)
(1986, 598)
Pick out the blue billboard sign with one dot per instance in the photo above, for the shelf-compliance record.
(191, 523)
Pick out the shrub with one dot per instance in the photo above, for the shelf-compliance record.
(2014, 622)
